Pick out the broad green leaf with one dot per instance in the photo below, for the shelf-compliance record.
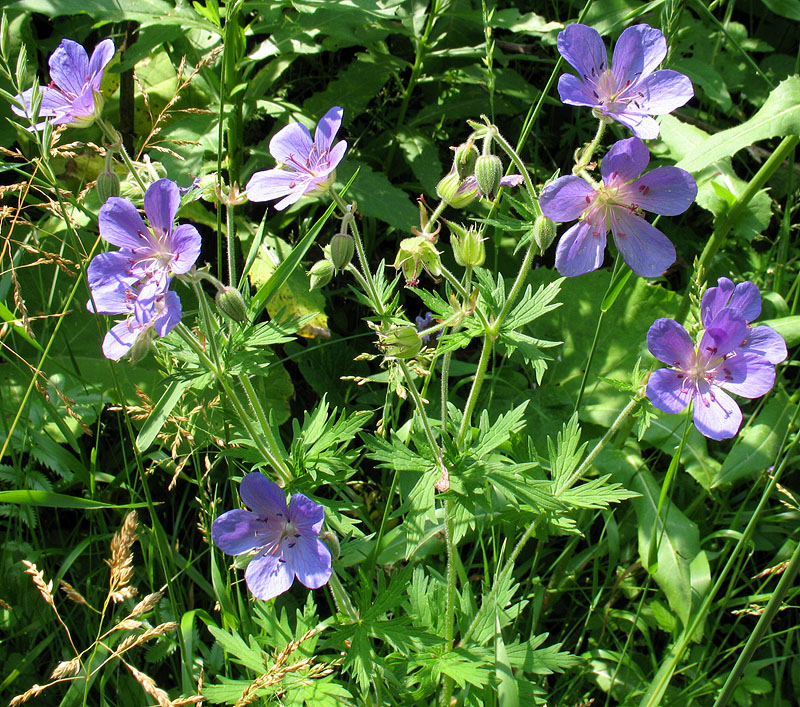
(787, 327)
(422, 156)
(50, 499)
(378, 197)
(785, 8)
(779, 116)
(756, 448)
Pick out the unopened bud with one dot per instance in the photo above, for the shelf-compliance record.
(341, 250)
(230, 302)
(468, 247)
(320, 274)
(401, 342)
(107, 185)
(466, 156)
(448, 191)
(488, 173)
(332, 542)
(544, 232)
(142, 345)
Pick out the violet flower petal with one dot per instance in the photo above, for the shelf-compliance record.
(638, 51)
(582, 47)
(268, 576)
(765, 342)
(665, 190)
(714, 299)
(161, 202)
(310, 560)
(275, 183)
(69, 67)
(185, 242)
(238, 531)
(262, 496)
(746, 299)
(718, 418)
(759, 376)
(566, 198)
(645, 249)
(292, 142)
(670, 343)
(625, 161)
(666, 390)
(640, 124)
(306, 515)
(579, 250)
(575, 92)
(169, 316)
(121, 225)
(725, 333)
(663, 92)
(336, 155)
(103, 53)
(327, 128)
(119, 339)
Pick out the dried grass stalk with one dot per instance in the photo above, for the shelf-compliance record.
(122, 559)
(146, 604)
(66, 668)
(45, 588)
(73, 594)
(149, 686)
(25, 696)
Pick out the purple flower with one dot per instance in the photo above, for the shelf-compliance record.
(744, 298)
(286, 541)
(703, 375)
(630, 90)
(157, 252)
(73, 96)
(306, 167)
(616, 205)
(150, 311)
(470, 184)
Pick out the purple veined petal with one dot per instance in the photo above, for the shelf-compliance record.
(310, 560)
(327, 128)
(746, 299)
(714, 299)
(69, 67)
(144, 307)
(638, 51)
(108, 300)
(666, 390)
(291, 144)
(625, 161)
(337, 154)
(262, 496)
(103, 53)
(272, 184)
(511, 180)
(303, 187)
(111, 270)
(758, 379)
(579, 250)
(668, 191)
(118, 341)
(765, 342)
(122, 225)
(582, 47)
(716, 414)
(161, 202)
(84, 106)
(575, 92)
(663, 92)
(169, 315)
(641, 125)
(185, 243)
(645, 249)
(670, 343)
(306, 515)
(566, 198)
(725, 333)
(268, 576)
(53, 103)
(238, 531)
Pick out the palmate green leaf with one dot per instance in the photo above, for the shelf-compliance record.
(248, 655)
(536, 493)
(596, 493)
(463, 665)
(779, 116)
(530, 349)
(530, 657)
(492, 435)
(565, 454)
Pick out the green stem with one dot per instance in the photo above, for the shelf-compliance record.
(725, 225)
(450, 600)
(520, 165)
(230, 231)
(515, 288)
(116, 139)
(342, 599)
(588, 153)
(477, 383)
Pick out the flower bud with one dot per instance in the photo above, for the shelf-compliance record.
(107, 185)
(544, 232)
(464, 162)
(447, 189)
(417, 254)
(320, 274)
(230, 302)
(401, 341)
(142, 345)
(468, 248)
(488, 173)
(330, 539)
(341, 250)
